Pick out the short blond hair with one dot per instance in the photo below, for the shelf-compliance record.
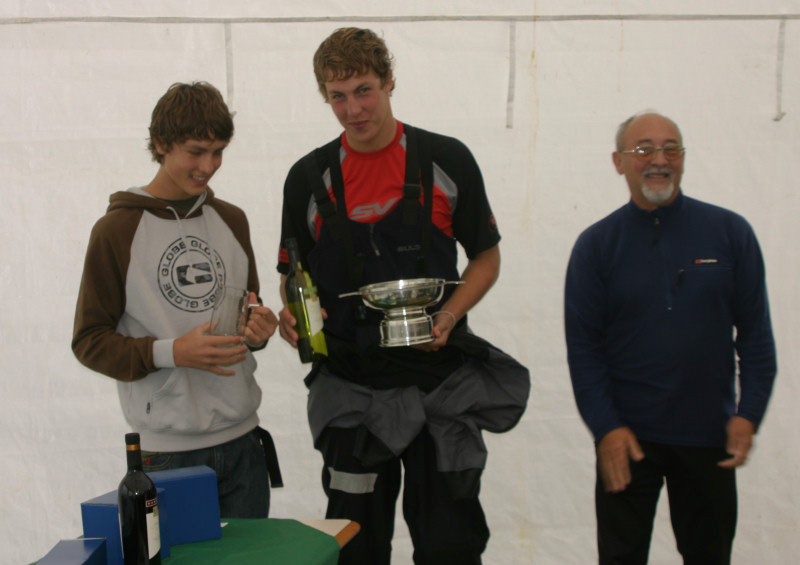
(352, 51)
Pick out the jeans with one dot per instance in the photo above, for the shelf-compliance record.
(242, 478)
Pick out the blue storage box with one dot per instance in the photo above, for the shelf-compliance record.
(192, 503)
(77, 552)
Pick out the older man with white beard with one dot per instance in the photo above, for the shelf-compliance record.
(661, 298)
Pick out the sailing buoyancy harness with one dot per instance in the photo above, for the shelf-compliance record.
(351, 254)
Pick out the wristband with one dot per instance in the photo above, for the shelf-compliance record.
(453, 316)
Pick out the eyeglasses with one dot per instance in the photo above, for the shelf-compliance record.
(646, 153)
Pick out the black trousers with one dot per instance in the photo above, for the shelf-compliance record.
(443, 530)
(702, 503)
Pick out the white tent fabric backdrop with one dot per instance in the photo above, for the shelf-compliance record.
(534, 88)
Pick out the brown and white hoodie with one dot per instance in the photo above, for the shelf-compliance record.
(151, 275)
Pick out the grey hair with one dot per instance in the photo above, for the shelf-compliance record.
(623, 127)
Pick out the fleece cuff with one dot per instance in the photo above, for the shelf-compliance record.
(163, 357)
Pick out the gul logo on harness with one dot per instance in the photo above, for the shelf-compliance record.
(189, 272)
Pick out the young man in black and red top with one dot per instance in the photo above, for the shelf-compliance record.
(383, 202)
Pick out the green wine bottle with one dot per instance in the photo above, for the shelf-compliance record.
(303, 302)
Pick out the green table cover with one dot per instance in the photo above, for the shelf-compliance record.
(267, 541)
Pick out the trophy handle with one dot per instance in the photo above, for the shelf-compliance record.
(361, 293)
(346, 294)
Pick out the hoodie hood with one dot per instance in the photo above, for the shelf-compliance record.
(137, 198)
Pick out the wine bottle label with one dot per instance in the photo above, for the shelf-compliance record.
(153, 528)
(315, 322)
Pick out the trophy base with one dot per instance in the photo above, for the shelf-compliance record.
(398, 332)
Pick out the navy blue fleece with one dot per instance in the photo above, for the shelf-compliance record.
(659, 306)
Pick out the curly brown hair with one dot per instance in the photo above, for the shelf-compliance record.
(352, 51)
(189, 111)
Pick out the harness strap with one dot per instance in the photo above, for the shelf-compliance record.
(325, 206)
(426, 178)
(411, 187)
(334, 216)
(355, 263)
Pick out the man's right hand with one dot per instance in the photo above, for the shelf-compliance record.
(286, 323)
(614, 452)
(211, 353)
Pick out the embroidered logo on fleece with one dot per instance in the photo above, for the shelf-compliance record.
(189, 272)
(706, 261)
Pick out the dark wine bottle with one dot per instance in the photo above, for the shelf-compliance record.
(138, 510)
(303, 302)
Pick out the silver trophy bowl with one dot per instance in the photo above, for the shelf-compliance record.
(403, 303)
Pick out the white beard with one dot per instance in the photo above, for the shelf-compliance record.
(658, 197)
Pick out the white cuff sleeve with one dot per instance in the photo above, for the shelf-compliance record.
(163, 356)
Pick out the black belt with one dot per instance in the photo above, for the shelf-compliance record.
(271, 456)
